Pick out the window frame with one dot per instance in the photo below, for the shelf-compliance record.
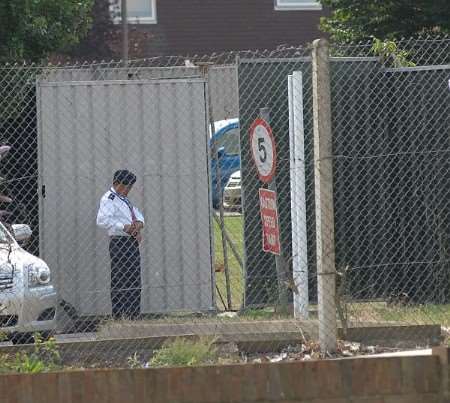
(311, 5)
(137, 20)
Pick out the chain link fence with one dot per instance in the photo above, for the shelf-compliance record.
(348, 240)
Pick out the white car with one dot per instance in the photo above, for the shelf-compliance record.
(232, 192)
(28, 298)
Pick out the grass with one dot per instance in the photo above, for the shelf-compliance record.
(234, 228)
(267, 313)
(401, 314)
(183, 352)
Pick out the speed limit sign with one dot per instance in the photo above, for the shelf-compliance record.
(263, 149)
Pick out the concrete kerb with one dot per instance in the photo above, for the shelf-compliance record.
(128, 338)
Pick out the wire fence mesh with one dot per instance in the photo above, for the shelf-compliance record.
(188, 130)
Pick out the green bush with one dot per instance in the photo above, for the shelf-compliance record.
(184, 352)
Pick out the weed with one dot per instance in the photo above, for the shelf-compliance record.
(134, 362)
(44, 357)
(184, 352)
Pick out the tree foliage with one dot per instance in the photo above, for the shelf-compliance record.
(389, 53)
(354, 20)
(31, 29)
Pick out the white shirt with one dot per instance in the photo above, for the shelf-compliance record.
(114, 213)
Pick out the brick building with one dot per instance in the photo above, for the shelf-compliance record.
(188, 27)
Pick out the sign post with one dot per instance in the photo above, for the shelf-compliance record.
(264, 154)
(298, 196)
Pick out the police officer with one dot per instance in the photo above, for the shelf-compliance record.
(124, 223)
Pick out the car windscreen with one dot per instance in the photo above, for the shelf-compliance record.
(4, 236)
(229, 141)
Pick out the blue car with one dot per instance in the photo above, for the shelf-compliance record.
(227, 139)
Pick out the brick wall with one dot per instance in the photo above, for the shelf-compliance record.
(370, 380)
(187, 27)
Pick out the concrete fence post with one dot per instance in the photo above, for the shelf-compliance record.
(323, 181)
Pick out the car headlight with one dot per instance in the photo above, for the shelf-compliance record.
(38, 276)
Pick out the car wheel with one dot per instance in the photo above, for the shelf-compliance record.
(22, 338)
(28, 338)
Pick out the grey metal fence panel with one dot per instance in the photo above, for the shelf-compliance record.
(156, 129)
(224, 92)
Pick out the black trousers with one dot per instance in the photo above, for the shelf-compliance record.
(125, 277)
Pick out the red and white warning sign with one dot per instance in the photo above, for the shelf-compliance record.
(263, 148)
(269, 219)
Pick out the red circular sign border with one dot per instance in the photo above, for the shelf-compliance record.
(259, 121)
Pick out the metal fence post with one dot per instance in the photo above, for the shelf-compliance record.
(124, 16)
(204, 68)
(323, 180)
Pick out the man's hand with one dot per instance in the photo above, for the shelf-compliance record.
(134, 229)
(130, 228)
(138, 225)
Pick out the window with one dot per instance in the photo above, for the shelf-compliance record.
(139, 11)
(297, 5)
(230, 141)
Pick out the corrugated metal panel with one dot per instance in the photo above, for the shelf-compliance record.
(223, 82)
(157, 129)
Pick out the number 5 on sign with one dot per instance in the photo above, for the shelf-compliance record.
(263, 149)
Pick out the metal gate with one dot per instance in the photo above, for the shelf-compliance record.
(157, 129)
